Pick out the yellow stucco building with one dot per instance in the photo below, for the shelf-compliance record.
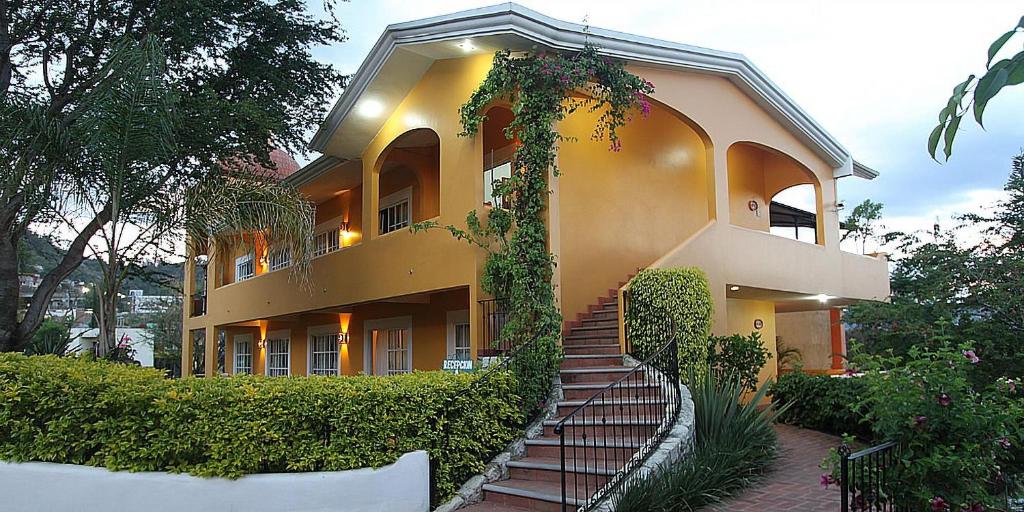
(692, 186)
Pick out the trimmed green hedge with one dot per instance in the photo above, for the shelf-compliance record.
(821, 402)
(79, 411)
(660, 298)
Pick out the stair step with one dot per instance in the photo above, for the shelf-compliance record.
(581, 339)
(533, 494)
(606, 322)
(615, 449)
(592, 349)
(592, 467)
(486, 506)
(595, 374)
(591, 361)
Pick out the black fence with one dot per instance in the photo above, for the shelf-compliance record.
(607, 437)
(494, 315)
(866, 479)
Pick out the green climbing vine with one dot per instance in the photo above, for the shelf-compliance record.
(541, 89)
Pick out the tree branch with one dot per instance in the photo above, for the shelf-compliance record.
(71, 260)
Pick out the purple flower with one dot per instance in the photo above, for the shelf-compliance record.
(977, 507)
(920, 421)
(1011, 385)
(827, 480)
(939, 504)
(1004, 443)
(971, 356)
(945, 400)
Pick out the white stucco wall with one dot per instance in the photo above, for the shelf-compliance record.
(401, 487)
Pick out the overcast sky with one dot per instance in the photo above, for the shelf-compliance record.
(874, 73)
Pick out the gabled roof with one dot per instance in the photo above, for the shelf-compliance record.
(405, 51)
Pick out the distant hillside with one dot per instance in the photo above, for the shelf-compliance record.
(40, 255)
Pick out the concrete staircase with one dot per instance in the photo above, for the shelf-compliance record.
(592, 361)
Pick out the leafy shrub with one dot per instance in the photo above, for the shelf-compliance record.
(958, 442)
(821, 402)
(52, 337)
(661, 299)
(739, 356)
(96, 413)
(734, 444)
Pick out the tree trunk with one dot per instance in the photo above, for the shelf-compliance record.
(36, 311)
(9, 291)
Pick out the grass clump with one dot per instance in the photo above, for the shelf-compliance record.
(734, 444)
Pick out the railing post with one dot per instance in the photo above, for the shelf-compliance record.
(560, 430)
(844, 477)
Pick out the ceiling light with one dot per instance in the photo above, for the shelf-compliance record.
(370, 108)
(822, 298)
(466, 45)
(734, 288)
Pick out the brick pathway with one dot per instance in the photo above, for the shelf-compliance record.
(794, 485)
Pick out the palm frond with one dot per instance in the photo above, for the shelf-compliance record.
(227, 211)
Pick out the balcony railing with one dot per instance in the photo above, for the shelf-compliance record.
(198, 304)
(494, 316)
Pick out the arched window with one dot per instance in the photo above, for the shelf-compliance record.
(409, 184)
(498, 150)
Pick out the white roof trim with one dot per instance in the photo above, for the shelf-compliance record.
(510, 18)
(862, 171)
(313, 170)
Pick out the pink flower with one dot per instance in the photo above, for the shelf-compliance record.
(1011, 385)
(1004, 443)
(939, 504)
(977, 507)
(971, 356)
(945, 400)
(920, 421)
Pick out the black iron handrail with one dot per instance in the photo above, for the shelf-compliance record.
(630, 417)
(494, 315)
(865, 478)
(533, 384)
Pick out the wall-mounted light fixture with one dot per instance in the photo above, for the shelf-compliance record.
(262, 343)
(343, 338)
(734, 288)
(343, 227)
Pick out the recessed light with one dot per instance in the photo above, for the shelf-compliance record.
(466, 45)
(370, 108)
(734, 288)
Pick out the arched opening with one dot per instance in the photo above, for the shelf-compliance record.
(497, 152)
(791, 213)
(772, 192)
(409, 181)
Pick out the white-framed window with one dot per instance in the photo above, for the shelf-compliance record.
(279, 353)
(323, 350)
(243, 354)
(388, 345)
(395, 211)
(280, 259)
(244, 267)
(326, 242)
(458, 335)
(492, 177)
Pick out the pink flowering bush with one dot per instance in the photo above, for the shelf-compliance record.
(959, 441)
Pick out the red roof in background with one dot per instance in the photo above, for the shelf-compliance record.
(286, 165)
